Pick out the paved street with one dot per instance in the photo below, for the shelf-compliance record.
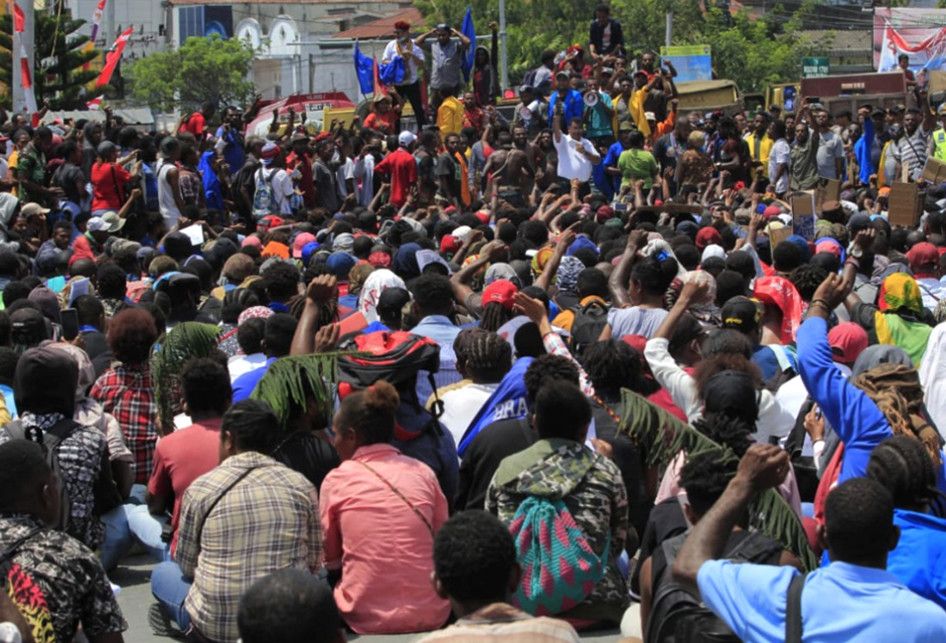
(136, 603)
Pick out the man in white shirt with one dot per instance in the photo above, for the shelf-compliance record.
(779, 157)
(413, 57)
(830, 155)
(576, 154)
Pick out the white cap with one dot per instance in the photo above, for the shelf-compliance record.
(405, 138)
(649, 116)
(461, 231)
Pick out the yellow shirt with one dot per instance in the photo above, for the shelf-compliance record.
(450, 116)
(759, 151)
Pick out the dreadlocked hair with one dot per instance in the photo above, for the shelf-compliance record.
(726, 430)
(704, 477)
(488, 356)
(901, 463)
(494, 316)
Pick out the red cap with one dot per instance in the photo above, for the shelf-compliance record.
(922, 255)
(401, 25)
(270, 221)
(501, 292)
(637, 342)
(483, 216)
(604, 213)
(771, 211)
(379, 259)
(450, 209)
(449, 243)
(708, 236)
(847, 341)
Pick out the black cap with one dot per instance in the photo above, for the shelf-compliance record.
(742, 314)
(732, 393)
(393, 299)
(45, 381)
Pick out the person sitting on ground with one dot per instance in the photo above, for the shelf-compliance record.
(853, 598)
(475, 568)
(277, 339)
(55, 581)
(380, 512)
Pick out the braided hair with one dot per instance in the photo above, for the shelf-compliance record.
(903, 465)
(488, 357)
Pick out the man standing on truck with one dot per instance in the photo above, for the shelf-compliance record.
(910, 151)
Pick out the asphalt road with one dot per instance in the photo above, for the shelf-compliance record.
(137, 605)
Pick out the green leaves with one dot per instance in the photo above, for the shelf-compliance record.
(183, 342)
(660, 436)
(201, 69)
(291, 383)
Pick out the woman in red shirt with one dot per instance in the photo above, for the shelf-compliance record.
(384, 117)
(109, 179)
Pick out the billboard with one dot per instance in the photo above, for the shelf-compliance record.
(692, 62)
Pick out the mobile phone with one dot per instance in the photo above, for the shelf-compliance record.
(69, 320)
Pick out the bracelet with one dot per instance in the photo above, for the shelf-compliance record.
(820, 302)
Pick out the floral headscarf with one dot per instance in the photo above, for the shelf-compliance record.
(899, 291)
(567, 276)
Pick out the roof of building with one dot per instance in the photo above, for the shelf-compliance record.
(382, 27)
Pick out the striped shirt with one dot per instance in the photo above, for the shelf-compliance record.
(268, 521)
(911, 152)
(503, 622)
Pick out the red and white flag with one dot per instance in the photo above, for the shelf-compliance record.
(26, 80)
(95, 103)
(97, 19)
(19, 19)
(112, 58)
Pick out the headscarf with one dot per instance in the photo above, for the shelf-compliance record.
(567, 276)
(879, 354)
(712, 250)
(498, 271)
(780, 292)
(255, 312)
(376, 283)
(8, 204)
(897, 320)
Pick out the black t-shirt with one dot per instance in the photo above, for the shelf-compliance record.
(310, 455)
(495, 442)
(448, 167)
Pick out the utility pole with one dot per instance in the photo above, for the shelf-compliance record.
(668, 34)
(109, 32)
(24, 40)
(503, 60)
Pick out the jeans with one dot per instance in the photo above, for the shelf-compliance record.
(129, 522)
(169, 588)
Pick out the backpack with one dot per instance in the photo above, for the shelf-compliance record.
(50, 440)
(264, 199)
(559, 567)
(590, 320)
(676, 615)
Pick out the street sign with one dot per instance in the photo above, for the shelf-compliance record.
(815, 66)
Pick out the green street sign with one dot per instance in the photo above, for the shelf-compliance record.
(815, 66)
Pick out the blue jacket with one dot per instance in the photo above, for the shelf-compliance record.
(862, 151)
(574, 107)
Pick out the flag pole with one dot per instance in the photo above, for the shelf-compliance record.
(21, 41)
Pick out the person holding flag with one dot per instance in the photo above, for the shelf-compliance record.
(401, 64)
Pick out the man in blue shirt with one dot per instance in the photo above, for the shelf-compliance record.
(433, 305)
(610, 162)
(851, 599)
(277, 339)
(571, 99)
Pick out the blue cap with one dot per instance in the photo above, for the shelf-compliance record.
(340, 263)
(581, 243)
(308, 250)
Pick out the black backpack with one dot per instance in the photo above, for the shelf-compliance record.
(676, 615)
(590, 320)
(50, 440)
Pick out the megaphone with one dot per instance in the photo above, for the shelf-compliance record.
(591, 99)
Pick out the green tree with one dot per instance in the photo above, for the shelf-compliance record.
(57, 59)
(201, 69)
(751, 52)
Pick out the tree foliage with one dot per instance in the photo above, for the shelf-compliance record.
(58, 58)
(201, 69)
(751, 52)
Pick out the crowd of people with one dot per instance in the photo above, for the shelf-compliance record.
(492, 379)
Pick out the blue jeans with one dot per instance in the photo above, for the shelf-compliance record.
(130, 522)
(169, 588)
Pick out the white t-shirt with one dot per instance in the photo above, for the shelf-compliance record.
(410, 68)
(344, 172)
(572, 164)
(780, 154)
(281, 184)
(830, 147)
(461, 405)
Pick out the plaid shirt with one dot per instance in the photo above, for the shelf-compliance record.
(268, 521)
(127, 393)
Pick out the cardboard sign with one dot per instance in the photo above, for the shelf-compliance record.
(803, 214)
(934, 171)
(905, 205)
(778, 236)
(828, 190)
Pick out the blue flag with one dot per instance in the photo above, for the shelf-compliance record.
(364, 69)
(468, 30)
(393, 72)
(508, 402)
